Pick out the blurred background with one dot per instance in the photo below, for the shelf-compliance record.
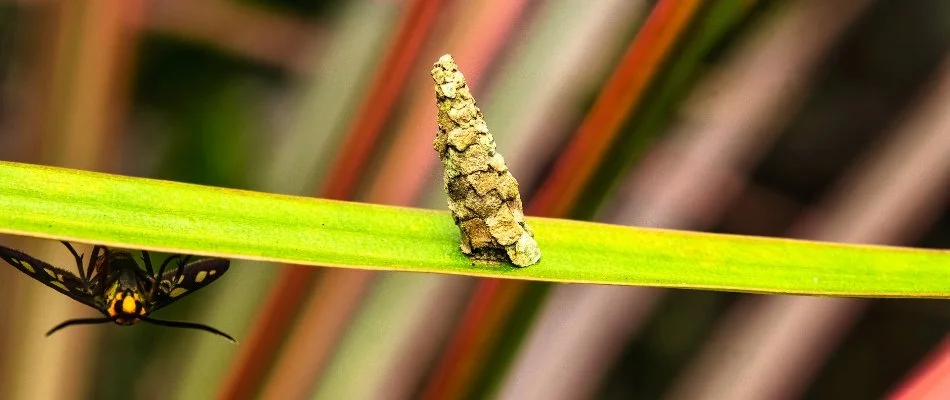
(812, 119)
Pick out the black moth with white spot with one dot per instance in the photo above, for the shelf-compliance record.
(114, 284)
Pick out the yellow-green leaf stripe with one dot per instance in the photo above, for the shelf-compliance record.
(152, 214)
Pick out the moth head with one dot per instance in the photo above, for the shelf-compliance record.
(126, 307)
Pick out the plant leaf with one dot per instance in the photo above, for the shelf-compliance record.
(175, 217)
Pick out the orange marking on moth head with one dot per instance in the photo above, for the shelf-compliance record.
(115, 304)
(128, 305)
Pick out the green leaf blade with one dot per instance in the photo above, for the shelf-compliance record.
(183, 218)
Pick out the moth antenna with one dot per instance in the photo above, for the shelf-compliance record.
(79, 321)
(188, 325)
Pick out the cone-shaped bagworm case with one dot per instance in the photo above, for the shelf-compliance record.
(483, 196)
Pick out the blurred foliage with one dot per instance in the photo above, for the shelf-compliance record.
(887, 60)
(717, 26)
(510, 339)
(304, 8)
(891, 338)
(205, 102)
(665, 344)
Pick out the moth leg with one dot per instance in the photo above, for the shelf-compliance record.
(103, 274)
(157, 281)
(90, 268)
(181, 266)
(148, 264)
(77, 257)
(186, 259)
(93, 258)
(161, 270)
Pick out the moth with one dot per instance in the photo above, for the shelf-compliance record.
(114, 284)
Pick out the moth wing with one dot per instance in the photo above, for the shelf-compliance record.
(58, 279)
(194, 276)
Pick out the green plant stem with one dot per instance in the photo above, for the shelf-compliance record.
(174, 217)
